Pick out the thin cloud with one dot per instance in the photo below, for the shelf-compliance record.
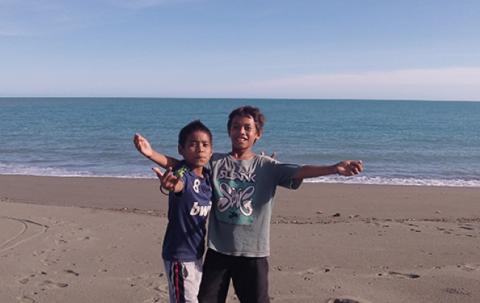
(441, 83)
(142, 4)
(37, 18)
(7, 33)
(32, 18)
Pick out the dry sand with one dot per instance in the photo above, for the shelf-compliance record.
(99, 240)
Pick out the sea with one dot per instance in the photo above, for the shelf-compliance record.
(426, 143)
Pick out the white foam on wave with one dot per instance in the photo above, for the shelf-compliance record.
(396, 181)
(7, 169)
(40, 171)
(21, 170)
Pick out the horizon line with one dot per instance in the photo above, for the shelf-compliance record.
(239, 98)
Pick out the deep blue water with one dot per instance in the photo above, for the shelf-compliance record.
(400, 142)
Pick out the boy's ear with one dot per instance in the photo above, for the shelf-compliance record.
(180, 149)
(258, 136)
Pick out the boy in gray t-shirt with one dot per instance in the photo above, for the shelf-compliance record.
(243, 191)
(239, 227)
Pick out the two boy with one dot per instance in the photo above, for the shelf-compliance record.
(244, 185)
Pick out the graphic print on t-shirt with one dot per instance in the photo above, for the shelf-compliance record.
(236, 191)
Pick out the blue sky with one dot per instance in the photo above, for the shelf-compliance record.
(260, 49)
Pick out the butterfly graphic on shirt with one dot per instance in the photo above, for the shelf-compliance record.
(237, 198)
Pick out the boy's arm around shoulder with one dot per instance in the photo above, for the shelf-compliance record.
(144, 147)
(344, 168)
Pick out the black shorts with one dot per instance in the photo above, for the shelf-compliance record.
(249, 276)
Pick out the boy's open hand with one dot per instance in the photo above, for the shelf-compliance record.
(349, 167)
(168, 180)
(273, 155)
(142, 145)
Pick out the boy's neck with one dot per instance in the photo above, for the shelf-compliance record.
(198, 171)
(242, 154)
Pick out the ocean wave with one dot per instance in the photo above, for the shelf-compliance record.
(61, 172)
(396, 181)
(7, 169)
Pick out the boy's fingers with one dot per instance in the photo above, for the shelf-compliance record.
(167, 172)
(358, 165)
(158, 172)
(273, 155)
(169, 181)
(170, 178)
(166, 179)
(137, 138)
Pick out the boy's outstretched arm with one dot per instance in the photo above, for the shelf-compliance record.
(144, 147)
(344, 168)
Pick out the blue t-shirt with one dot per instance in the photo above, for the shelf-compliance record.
(187, 215)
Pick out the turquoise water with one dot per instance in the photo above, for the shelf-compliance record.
(400, 142)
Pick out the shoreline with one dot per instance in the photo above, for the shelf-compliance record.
(82, 239)
(358, 180)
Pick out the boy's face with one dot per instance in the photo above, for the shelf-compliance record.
(197, 150)
(243, 132)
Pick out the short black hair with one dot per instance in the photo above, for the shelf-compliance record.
(191, 127)
(248, 111)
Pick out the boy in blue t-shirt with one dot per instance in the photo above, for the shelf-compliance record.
(189, 203)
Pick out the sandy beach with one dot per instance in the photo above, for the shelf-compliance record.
(84, 240)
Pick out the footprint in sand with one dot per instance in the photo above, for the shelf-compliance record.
(469, 267)
(37, 253)
(60, 242)
(52, 284)
(346, 300)
(25, 299)
(401, 275)
(457, 291)
(27, 279)
(69, 271)
(48, 262)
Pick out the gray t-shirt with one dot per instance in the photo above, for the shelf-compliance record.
(243, 191)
